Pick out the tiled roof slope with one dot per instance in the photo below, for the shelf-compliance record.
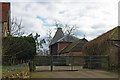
(111, 34)
(79, 46)
(68, 38)
(75, 46)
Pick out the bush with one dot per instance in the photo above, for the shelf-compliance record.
(18, 48)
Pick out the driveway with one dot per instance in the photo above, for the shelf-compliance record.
(74, 74)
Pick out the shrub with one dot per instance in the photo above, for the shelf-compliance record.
(18, 48)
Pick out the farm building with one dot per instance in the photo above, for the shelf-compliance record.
(106, 44)
(66, 44)
(5, 18)
(74, 48)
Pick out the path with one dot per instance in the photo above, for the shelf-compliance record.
(74, 74)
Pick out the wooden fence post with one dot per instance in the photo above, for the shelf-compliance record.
(90, 62)
(108, 63)
(51, 62)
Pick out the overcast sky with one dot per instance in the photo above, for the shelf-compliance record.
(93, 17)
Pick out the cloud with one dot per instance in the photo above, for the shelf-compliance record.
(93, 17)
(61, 12)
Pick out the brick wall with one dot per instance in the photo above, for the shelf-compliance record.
(62, 45)
(53, 49)
(5, 18)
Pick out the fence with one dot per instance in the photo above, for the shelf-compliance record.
(10, 60)
(89, 62)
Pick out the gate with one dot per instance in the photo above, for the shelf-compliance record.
(71, 63)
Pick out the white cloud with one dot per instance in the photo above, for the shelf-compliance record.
(93, 17)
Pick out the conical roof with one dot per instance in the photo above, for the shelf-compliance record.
(59, 34)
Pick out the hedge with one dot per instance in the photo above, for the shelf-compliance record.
(18, 48)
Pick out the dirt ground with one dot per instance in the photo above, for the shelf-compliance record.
(72, 74)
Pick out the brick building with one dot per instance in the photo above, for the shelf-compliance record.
(66, 44)
(74, 48)
(5, 18)
(105, 44)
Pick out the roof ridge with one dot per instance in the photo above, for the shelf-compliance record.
(102, 35)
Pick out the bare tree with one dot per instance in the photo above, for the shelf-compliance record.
(49, 36)
(69, 29)
(39, 43)
(57, 23)
(16, 27)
